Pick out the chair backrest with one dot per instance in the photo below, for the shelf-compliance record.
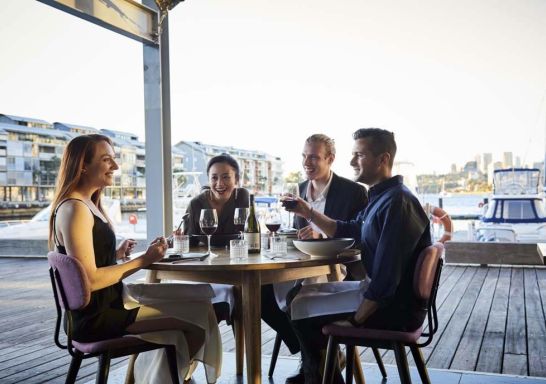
(426, 271)
(70, 281)
(426, 280)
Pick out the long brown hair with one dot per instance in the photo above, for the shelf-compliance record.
(79, 151)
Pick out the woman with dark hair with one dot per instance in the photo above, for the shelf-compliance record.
(80, 228)
(222, 194)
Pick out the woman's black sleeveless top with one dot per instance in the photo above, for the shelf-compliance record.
(104, 317)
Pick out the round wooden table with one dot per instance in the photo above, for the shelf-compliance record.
(247, 276)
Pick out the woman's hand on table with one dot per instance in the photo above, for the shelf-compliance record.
(156, 250)
(125, 248)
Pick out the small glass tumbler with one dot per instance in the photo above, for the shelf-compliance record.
(278, 245)
(238, 249)
(181, 243)
(264, 242)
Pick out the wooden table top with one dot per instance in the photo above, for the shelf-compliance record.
(294, 259)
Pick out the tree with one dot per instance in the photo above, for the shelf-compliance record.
(293, 177)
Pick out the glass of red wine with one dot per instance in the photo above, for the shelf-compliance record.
(239, 220)
(208, 221)
(288, 201)
(273, 220)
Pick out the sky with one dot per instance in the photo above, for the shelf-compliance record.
(451, 79)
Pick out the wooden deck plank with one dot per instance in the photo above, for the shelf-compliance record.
(492, 349)
(515, 339)
(536, 327)
(468, 350)
(29, 355)
(444, 351)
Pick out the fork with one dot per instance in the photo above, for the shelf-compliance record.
(273, 257)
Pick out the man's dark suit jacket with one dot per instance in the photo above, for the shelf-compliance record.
(344, 200)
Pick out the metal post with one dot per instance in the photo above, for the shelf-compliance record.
(158, 135)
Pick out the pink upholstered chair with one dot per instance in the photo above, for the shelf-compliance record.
(72, 291)
(425, 286)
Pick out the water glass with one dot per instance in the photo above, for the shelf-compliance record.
(181, 243)
(264, 241)
(278, 245)
(238, 249)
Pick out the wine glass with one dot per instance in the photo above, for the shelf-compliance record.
(208, 221)
(290, 190)
(239, 219)
(273, 220)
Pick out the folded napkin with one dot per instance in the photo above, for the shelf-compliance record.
(150, 293)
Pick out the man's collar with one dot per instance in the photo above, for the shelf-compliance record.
(324, 191)
(381, 187)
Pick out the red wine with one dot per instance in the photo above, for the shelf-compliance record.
(273, 227)
(290, 204)
(209, 230)
(239, 227)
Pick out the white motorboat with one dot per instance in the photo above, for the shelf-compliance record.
(515, 212)
(37, 228)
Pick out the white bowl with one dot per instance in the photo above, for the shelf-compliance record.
(323, 247)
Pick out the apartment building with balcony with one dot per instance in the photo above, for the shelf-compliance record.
(30, 153)
(260, 172)
(31, 150)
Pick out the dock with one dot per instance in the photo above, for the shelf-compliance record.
(491, 319)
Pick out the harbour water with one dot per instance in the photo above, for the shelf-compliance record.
(133, 224)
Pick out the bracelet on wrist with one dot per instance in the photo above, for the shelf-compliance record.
(447, 233)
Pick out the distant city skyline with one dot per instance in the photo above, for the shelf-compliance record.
(450, 79)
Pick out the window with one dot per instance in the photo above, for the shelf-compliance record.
(518, 210)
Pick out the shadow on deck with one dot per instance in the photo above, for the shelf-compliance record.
(492, 320)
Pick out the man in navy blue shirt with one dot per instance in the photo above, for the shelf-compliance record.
(391, 231)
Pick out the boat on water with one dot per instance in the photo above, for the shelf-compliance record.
(37, 228)
(515, 212)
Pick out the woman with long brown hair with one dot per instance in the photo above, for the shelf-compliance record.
(79, 227)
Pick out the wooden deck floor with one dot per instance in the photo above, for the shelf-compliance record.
(491, 320)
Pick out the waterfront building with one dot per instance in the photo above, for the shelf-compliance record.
(30, 153)
(260, 172)
(31, 150)
(507, 160)
(487, 158)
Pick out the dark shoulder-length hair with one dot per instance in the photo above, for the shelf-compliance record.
(79, 151)
(224, 158)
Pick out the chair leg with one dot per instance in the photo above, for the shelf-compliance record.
(104, 368)
(130, 375)
(274, 355)
(170, 350)
(358, 371)
(74, 368)
(379, 361)
(350, 364)
(330, 361)
(402, 363)
(420, 363)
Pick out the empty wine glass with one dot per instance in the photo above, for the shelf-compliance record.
(239, 219)
(208, 221)
(273, 220)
